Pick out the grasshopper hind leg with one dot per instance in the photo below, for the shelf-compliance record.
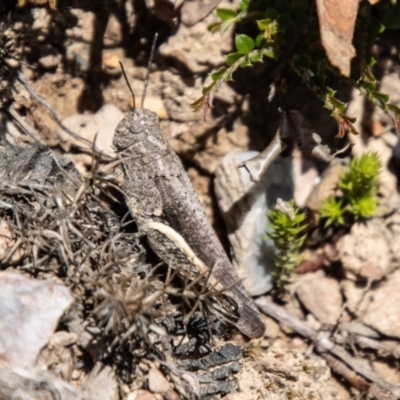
(174, 250)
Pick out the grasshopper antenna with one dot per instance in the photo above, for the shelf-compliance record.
(146, 82)
(129, 86)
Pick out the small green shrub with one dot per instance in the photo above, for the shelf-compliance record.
(286, 33)
(287, 225)
(358, 192)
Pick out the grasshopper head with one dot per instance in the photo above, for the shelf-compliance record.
(137, 126)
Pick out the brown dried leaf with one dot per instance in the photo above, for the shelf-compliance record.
(337, 21)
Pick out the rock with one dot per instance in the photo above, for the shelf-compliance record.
(157, 381)
(141, 395)
(321, 296)
(84, 125)
(63, 338)
(82, 34)
(305, 177)
(388, 205)
(357, 299)
(171, 395)
(155, 104)
(384, 310)
(285, 368)
(393, 222)
(391, 373)
(58, 355)
(194, 11)
(79, 54)
(7, 242)
(29, 313)
(113, 34)
(101, 383)
(244, 206)
(196, 48)
(111, 64)
(108, 117)
(49, 58)
(365, 251)
(103, 123)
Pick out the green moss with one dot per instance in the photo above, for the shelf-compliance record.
(358, 192)
(287, 227)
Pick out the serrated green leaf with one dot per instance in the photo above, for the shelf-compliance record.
(375, 26)
(381, 104)
(330, 92)
(226, 14)
(230, 59)
(214, 27)
(226, 25)
(244, 5)
(381, 99)
(368, 86)
(198, 104)
(269, 53)
(338, 104)
(217, 75)
(369, 76)
(244, 44)
(257, 57)
(260, 40)
(379, 95)
(229, 77)
(393, 108)
(241, 15)
(246, 61)
(263, 23)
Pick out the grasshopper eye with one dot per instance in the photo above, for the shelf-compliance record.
(139, 127)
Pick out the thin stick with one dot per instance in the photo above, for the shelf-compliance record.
(129, 86)
(33, 133)
(146, 82)
(21, 78)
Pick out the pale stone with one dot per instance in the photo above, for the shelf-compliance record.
(157, 381)
(101, 383)
(384, 310)
(365, 251)
(155, 104)
(29, 313)
(141, 395)
(321, 296)
(244, 206)
(87, 126)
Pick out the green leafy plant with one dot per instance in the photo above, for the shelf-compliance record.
(287, 227)
(287, 34)
(357, 197)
